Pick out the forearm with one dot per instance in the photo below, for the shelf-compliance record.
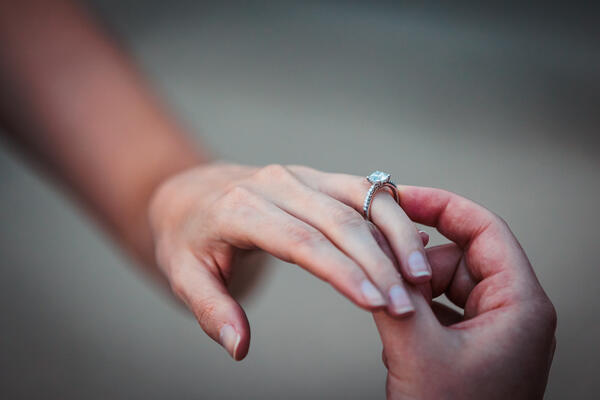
(75, 103)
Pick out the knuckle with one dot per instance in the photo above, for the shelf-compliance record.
(347, 217)
(302, 238)
(238, 199)
(273, 172)
(498, 220)
(492, 221)
(498, 223)
(236, 194)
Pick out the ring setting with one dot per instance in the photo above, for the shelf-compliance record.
(378, 180)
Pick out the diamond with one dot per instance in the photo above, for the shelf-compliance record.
(379, 177)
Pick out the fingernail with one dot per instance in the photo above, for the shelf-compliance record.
(229, 339)
(417, 265)
(400, 301)
(371, 294)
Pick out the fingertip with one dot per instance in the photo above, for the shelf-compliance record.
(235, 341)
(361, 292)
(371, 295)
(400, 303)
(241, 349)
(418, 269)
(229, 338)
(220, 315)
(424, 238)
(242, 346)
(364, 304)
(370, 308)
(402, 313)
(417, 279)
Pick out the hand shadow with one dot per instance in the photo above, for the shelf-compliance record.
(250, 270)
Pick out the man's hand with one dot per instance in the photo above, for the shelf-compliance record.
(503, 346)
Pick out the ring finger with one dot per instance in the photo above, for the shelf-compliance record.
(399, 230)
(346, 228)
(246, 220)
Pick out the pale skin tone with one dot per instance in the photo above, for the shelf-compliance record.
(294, 213)
(74, 103)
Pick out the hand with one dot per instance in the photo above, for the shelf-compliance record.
(503, 346)
(202, 217)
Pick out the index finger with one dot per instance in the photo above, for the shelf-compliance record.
(491, 250)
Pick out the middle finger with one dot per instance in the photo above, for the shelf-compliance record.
(347, 229)
(389, 217)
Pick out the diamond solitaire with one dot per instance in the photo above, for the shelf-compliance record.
(379, 178)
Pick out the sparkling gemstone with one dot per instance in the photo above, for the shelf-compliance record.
(378, 177)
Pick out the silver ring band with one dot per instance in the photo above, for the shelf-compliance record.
(378, 180)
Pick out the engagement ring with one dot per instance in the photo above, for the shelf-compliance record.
(378, 180)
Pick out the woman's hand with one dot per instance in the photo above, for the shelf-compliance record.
(201, 217)
(503, 345)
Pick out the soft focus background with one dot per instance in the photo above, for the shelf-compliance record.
(501, 104)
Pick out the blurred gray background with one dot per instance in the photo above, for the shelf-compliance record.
(500, 104)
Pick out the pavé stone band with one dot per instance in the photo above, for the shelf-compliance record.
(378, 180)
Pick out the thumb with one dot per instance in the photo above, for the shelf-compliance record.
(205, 294)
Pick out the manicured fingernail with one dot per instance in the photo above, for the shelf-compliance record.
(229, 339)
(400, 301)
(417, 265)
(371, 294)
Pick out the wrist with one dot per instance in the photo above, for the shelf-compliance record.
(136, 233)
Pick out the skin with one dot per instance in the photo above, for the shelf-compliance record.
(75, 104)
(77, 107)
(502, 347)
(203, 216)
